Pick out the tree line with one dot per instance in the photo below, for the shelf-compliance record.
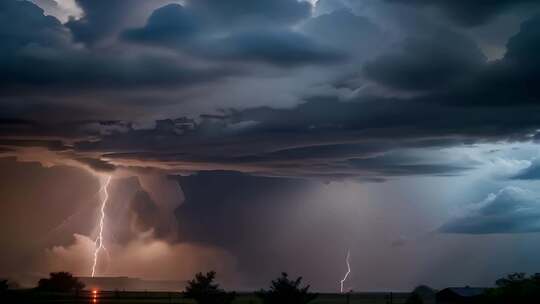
(514, 288)
(203, 289)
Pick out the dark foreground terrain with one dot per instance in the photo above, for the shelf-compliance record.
(30, 296)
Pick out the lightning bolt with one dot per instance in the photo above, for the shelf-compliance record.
(99, 240)
(348, 270)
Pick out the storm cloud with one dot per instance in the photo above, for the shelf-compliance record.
(469, 13)
(232, 128)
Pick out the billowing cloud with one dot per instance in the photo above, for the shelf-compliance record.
(248, 12)
(356, 35)
(516, 70)
(63, 10)
(425, 63)
(28, 55)
(25, 25)
(511, 210)
(171, 25)
(101, 21)
(182, 28)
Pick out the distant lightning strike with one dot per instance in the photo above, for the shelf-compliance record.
(348, 270)
(99, 240)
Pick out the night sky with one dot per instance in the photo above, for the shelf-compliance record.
(252, 137)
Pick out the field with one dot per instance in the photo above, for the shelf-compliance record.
(106, 297)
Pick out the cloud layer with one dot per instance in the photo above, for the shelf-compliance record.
(435, 89)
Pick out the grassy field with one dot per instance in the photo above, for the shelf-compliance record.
(106, 297)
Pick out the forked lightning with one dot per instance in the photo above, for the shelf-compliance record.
(99, 240)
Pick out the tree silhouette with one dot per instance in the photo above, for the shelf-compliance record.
(515, 288)
(204, 291)
(414, 298)
(60, 282)
(421, 294)
(285, 291)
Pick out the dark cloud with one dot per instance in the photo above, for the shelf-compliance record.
(169, 25)
(100, 19)
(509, 81)
(46, 57)
(511, 210)
(256, 13)
(523, 46)
(303, 148)
(399, 165)
(307, 146)
(454, 69)
(425, 63)
(283, 48)
(469, 13)
(391, 118)
(66, 131)
(181, 28)
(325, 137)
(80, 70)
(105, 19)
(50, 57)
(356, 35)
(26, 28)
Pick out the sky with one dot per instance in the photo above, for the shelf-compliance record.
(255, 137)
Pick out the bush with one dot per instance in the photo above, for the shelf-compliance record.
(414, 298)
(203, 290)
(515, 288)
(60, 282)
(285, 291)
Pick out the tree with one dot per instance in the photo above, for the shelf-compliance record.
(421, 294)
(60, 282)
(204, 291)
(285, 291)
(511, 280)
(414, 298)
(515, 288)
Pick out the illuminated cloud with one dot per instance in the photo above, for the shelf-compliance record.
(143, 258)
